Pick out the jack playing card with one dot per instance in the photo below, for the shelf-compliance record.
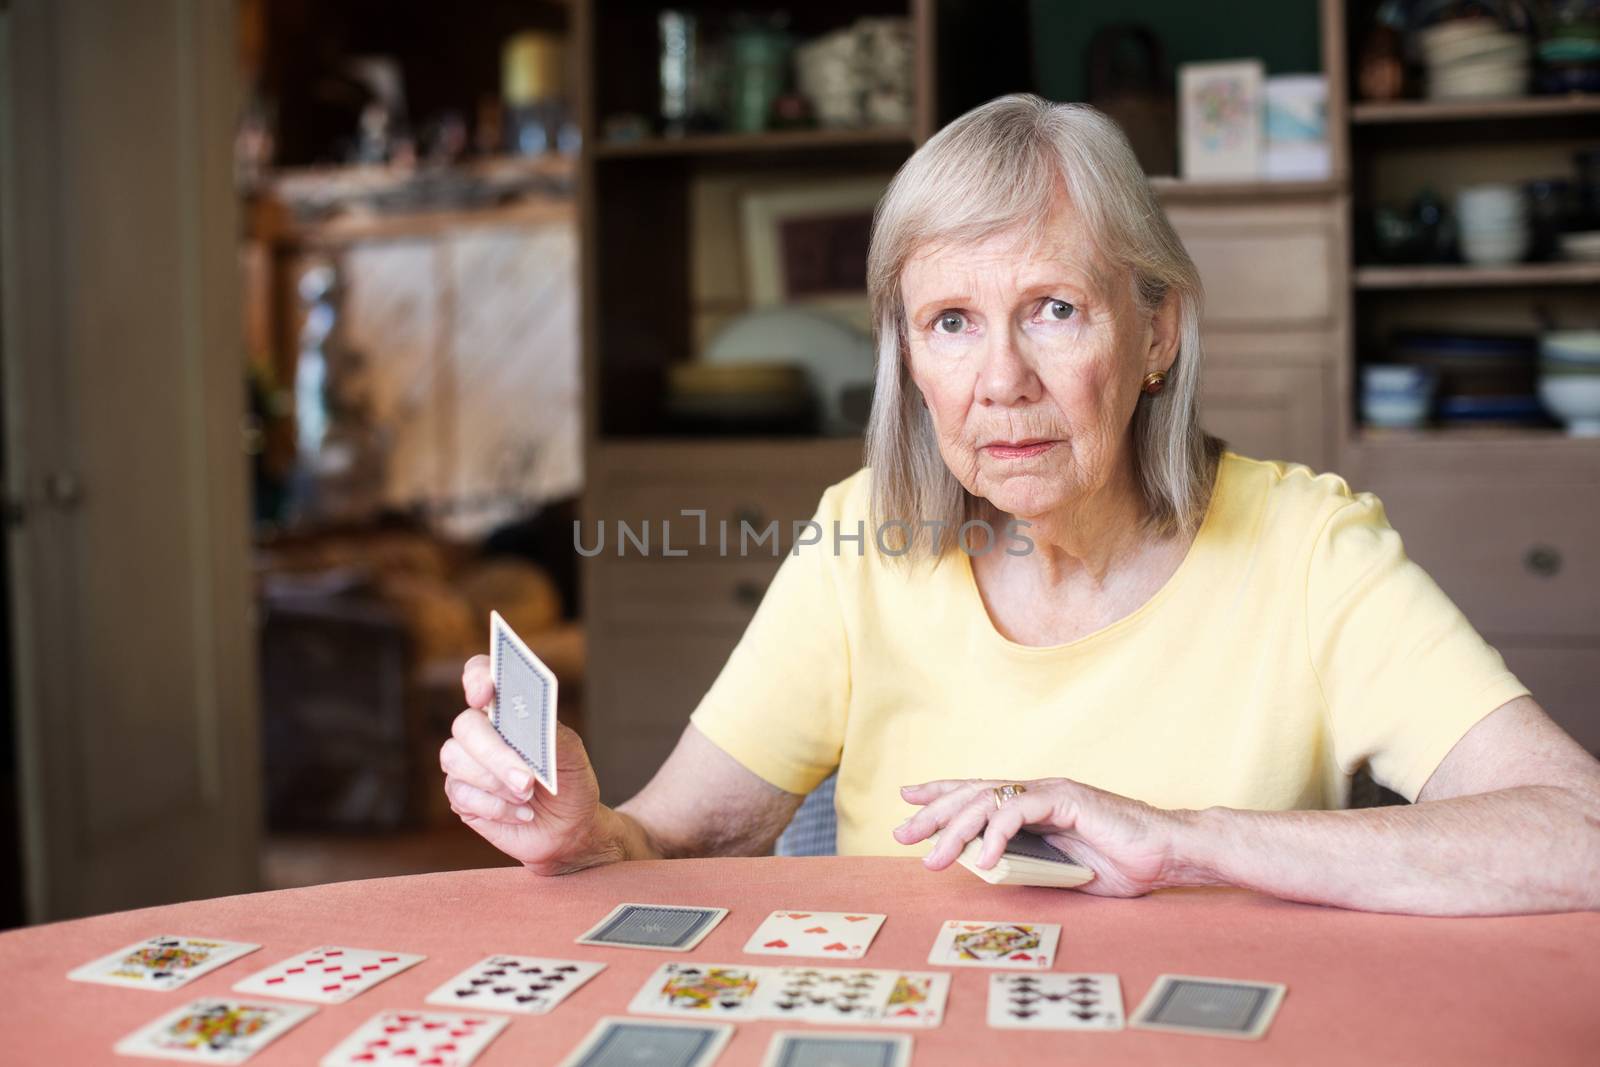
(524, 707)
(214, 1030)
(838, 935)
(329, 974)
(1055, 1002)
(618, 1042)
(791, 1049)
(431, 1038)
(1219, 1006)
(163, 962)
(526, 984)
(983, 943)
(667, 927)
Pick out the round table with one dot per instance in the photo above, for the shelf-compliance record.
(1362, 987)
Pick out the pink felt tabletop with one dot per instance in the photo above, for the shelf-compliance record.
(1362, 988)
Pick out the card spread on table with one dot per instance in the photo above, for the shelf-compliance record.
(432, 1038)
(163, 962)
(1055, 1002)
(1219, 1006)
(529, 984)
(214, 1030)
(668, 927)
(841, 935)
(524, 705)
(328, 974)
(1028, 860)
(617, 1042)
(807, 994)
(986, 943)
(793, 1049)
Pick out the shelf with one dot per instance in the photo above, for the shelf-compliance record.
(745, 143)
(1522, 107)
(1460, 276)
(1169, 188)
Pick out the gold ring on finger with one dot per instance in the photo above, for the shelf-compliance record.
(1003, 793)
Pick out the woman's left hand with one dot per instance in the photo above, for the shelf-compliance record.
(1131, 847)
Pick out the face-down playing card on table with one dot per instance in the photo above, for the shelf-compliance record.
(617, 1042)
(1217, 1006)
(214, 1030)
(524, 705)
(666, 927)
(327, 974)
(987, 943)
(417, 1039)
(806, 994)
(162, 962)
(528, 984)
(840, 935)
(1055, 1002)
(797, 1049)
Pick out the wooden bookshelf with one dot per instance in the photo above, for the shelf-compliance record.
(1521, 107)
(738, 143)
(1466, 276)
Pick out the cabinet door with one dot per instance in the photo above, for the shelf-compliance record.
(1269, 412)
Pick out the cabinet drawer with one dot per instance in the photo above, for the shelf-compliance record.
(1265, 266)
(678, 592)
(1521, 561)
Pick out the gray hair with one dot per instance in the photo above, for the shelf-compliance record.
(1001, 167)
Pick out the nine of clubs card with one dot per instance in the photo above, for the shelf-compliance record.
(1217, 1006)
(214, 1030)
(528, 984)
(664, 927)
(796, 1049)
(163, 962)
(328, 974)
(1055, 1002)
(839, 935)
(524, 706)
(618, 1042)
(435, 1038)
(982, 943)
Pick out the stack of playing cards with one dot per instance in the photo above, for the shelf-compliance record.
(1028, 860)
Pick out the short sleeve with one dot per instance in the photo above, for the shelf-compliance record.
(779, 704)
(1402, 671)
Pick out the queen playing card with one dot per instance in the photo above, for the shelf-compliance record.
(839, 935)
(162, 962)
(709, 992)
(1055, 1002)
(524, 707)
(329, 974)
(985, 943)
(528, 984)
(214, 1030)
(432, 1038)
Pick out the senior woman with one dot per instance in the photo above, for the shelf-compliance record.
(1181, 655)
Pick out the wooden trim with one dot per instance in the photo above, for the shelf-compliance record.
(1520, 107)
(1466, 276)
(769, 141)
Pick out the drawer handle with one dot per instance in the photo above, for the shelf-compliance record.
(747, 594)
(1542, 560)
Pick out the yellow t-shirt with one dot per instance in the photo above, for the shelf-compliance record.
(1295, 643)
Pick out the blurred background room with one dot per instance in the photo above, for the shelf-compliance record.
(330, 326)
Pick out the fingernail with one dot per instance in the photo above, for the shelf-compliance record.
(521, 781)
(525, 813)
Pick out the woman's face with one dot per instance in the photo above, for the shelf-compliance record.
(1031, 362)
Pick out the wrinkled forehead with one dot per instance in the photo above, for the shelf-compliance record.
(1017, 256)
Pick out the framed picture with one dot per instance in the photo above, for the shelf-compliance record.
(808, 244)
(1220, 118)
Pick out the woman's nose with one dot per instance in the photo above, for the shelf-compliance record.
(1007, 377)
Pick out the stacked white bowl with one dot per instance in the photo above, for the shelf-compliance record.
(1569, 379)
(1493, 223)
(1474, 58)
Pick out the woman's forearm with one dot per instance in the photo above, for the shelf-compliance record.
(1533, 848)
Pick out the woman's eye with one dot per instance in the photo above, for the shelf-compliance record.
(950, 322)
(1058, 310)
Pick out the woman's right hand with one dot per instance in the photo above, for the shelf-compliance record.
(494, 792)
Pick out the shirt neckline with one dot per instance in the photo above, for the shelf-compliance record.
(969, 583)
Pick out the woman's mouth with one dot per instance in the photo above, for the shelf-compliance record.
(1018, 449)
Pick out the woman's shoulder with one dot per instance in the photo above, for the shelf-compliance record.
(848, 500)
(1288, 496)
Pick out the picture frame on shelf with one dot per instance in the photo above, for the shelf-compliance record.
(1220, 120)
(807, 244)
